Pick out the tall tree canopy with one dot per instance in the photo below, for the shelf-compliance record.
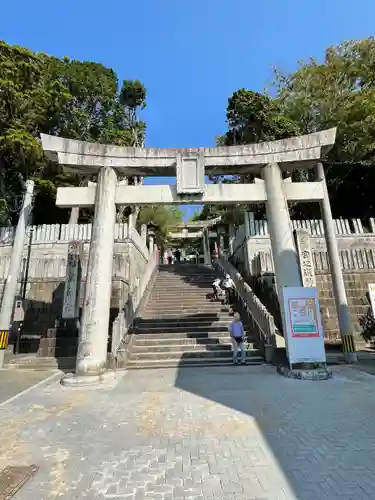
(254, 117)
(164, 217)
(73, 99)
(339, 91)
(251, 117)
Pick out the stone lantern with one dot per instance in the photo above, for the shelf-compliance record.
(151, 231)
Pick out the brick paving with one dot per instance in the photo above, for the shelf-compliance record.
(224, 433)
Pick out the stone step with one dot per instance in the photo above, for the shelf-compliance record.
(182, 303)
(173, 363)
(190, 348)
(179, 315)
(185, 288)
(188, 314)
(197, 287)
(166, 285)
(177, 294)
(191, 353)
(186, 271)
(39, 363)
(184, 280)
(185, 275)
(196, 328)
(147, 341)
(57, 352)
(188, 321)
(200, 308)
(163, 327)
(58, 342)
(182, 335)
(138, 349)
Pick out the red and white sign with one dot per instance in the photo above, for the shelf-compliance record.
(304, 337)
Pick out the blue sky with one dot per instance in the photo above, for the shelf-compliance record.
(190, 54)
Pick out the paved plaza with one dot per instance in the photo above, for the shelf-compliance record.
(12, 382)
(229, 433)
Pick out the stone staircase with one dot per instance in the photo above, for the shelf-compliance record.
(181, 326)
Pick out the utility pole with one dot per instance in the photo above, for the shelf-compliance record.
(10, 288)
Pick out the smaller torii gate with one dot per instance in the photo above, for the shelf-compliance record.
(200, 230)
(273, 162)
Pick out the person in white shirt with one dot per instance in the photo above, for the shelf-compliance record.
(218, 292)
(229, 286)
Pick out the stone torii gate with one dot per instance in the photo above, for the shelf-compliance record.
(201, 228)
(272, 161)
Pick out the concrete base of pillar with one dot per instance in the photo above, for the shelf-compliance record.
(321, 373)
(105, 379)
(351, 357)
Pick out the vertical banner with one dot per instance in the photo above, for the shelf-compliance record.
(305, 257)
(305, 334)
(72, 281)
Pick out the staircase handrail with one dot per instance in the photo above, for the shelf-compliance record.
(126, 316)
(238, 247)
(260, 314)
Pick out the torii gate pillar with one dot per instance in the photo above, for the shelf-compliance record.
(93, 335)
(280, 228)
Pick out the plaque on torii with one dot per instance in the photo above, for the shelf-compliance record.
(190, 174)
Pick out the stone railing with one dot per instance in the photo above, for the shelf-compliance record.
(354, 259)
(126, 317)
(139, 242)
(260, 319)
(52, 233)
(355, 240)
(315, 227)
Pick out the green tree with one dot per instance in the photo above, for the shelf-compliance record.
(29, 100)
(252, 117)
(339, 91)
(73, 99)
(164, 217)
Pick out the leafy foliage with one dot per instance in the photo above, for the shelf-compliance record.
(339, 91)
(252, 117)
(73, 99)
(164, 217)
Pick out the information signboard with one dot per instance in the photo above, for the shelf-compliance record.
(371, 291)
(305, 335)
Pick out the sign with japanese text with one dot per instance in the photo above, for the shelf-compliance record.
(305, 257)
(305, 335)
(72, 281)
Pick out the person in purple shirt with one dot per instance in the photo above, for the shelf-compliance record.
(237, 334)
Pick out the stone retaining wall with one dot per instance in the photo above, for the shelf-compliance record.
(47, 270)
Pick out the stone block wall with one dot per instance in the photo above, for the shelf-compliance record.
(356, 285)
(47, 270)
(356, 243)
